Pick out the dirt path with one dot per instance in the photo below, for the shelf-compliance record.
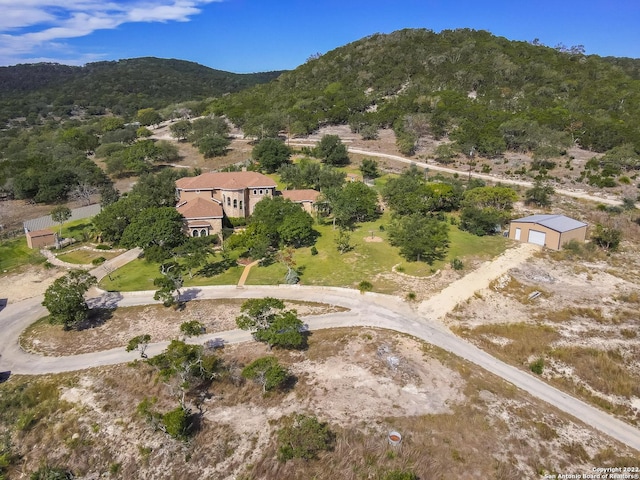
(444, 302)
(492, 178)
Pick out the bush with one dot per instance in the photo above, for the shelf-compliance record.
(537, 366)
(303, 437)
(314, 250)
(51, 473)
(608, 238)
(102, 246)
(365, 286)
(98, 261)
(192, 328)
(235, 222)
(177, 423)
(267, 372)
(457, 264)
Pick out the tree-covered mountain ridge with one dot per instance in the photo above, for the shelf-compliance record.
(122, 86)
(481, 90)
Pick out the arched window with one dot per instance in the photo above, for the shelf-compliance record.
(194, 233)
(203, 233)
(240, 204)
(228, 201)
(235, 203)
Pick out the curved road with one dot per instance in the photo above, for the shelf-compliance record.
(369, 309)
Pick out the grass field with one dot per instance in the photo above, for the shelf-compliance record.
(366, 260)
(85, 257)
(139, 275)
(15, 253)
(369, 258)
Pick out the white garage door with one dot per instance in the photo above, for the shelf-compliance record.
(536, 237)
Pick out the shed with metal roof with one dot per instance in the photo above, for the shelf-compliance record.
(551, 231)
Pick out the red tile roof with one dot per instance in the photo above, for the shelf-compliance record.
(225, 181)
(200, 208)
(301, 195)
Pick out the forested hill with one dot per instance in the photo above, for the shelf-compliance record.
(121, 86)
(481, 90)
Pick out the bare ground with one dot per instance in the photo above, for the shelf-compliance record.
(456, 420)
(111, 329)
(580, 317)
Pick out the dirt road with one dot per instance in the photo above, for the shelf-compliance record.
(491, 178)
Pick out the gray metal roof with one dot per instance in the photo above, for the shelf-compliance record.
(76, 214)
(559, 223)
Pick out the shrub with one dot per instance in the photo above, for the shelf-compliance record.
(98, 261)
(399, 475)
(177, 423)
(303, 436)
(537, 366)
(267, 372)
(411, 296)
(192, 328)
(457, 264)
(365, 286)
(102, 246)
(314, 250)
(606, 237)
(51, 473)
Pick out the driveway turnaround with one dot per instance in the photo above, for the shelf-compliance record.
(365, 310)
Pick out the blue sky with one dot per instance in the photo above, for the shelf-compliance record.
(259, 35)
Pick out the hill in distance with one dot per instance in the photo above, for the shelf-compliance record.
(475, 88)
(120, 86)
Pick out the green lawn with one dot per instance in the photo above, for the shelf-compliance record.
(328, 267)
(85, 257)
(368, 259)
(136, 275)
(73, 229)
(15, 253)
(139, 275)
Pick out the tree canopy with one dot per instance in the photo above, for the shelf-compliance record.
(65, 298)
(271, 323)
(524, 96)
(420, 238)
(354, 202)
(332, 151)
(279, 221)
(160, 226)
(271, 154)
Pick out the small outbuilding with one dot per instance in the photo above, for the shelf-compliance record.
(551, 231)
(41, 238)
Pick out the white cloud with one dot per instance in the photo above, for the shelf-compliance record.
(38, 28)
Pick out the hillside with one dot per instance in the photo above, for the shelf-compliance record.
(121, 86)
(477, 89)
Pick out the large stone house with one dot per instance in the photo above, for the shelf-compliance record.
(206, 199)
